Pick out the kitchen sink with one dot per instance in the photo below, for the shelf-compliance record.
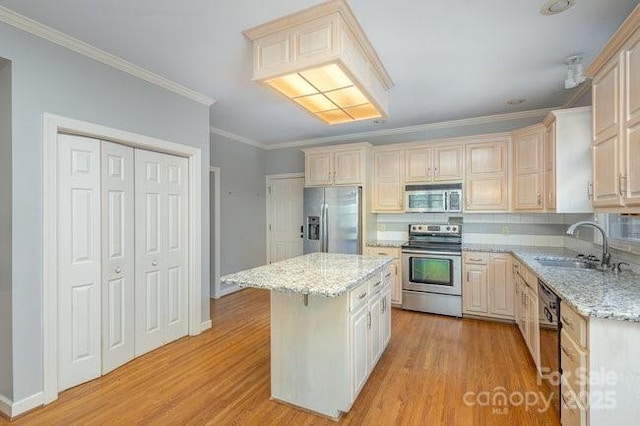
(555, 262)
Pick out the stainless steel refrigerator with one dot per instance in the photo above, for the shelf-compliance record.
(333, 220)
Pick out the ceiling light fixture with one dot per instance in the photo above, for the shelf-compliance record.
(551, 7)
(321, 59)
(575, 72)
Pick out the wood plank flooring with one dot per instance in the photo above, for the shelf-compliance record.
(435, 371)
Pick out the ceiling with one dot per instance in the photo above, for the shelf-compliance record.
(449, 60)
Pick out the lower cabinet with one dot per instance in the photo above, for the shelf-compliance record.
(574, 361)
(396, 271)
(488, 288)
(370, 329)
(526, 309)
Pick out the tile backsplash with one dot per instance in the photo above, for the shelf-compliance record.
(540, 229)
(531, 229)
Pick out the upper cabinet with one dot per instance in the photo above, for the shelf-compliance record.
(567, 161)
(388, 180)
(433, 163)
(528, 168)
(486, 181)
(336, 165)
(616, 120)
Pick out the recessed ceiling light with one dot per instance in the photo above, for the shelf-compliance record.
(515, 101)
(551, 7)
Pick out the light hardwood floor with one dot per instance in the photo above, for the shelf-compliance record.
(432, 365)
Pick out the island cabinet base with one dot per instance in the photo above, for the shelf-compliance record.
(324, 348)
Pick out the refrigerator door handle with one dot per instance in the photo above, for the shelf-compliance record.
(325, 222)
(322, 231)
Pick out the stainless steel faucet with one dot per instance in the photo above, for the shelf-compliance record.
(606, 256)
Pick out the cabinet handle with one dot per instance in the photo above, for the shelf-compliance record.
(154, 263)
(383, 254)
(118, 270)
(362, 296)
(539, 198)
(589, 190)
(567, 353)
(334, 176)
(467, 276)
(620, 184)
(549, 196)
(382, 306)
(388, 275)
(377, 284)
(369, 320)
(475, 260)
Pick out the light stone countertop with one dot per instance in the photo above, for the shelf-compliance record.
(385, 243)
(592, 293)
(319, 274)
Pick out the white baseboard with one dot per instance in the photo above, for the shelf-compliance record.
(5, 406)
(205, 325)
(13, 409)
(228, 290)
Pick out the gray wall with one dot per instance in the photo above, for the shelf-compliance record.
(284, 160)
(242, 203)
(6, 376)
(50, 78)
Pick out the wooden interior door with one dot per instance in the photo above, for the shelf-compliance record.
(79, 260)
(285, 218)
(117, 255)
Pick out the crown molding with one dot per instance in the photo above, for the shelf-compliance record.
(21, 22)
(488, 119)
(577, 94)
(237, 138)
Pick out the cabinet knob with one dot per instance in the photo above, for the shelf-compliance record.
(118, 270)
(154, 263)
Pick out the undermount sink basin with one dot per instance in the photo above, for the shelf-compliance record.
(566, 263)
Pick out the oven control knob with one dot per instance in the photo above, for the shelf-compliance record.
(448, 228)
(420, 228)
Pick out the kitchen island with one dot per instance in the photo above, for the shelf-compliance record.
(330, 323)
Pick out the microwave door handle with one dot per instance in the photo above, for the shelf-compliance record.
(446, 201)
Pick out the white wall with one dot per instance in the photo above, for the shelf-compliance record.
(50, 78)
(242, 204)
(6, 376)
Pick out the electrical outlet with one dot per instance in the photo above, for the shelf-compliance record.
(505, 230)
(382, 227)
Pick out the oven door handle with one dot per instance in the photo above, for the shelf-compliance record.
(431, 253)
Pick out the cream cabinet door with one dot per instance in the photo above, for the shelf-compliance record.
(388, 181)
(486, 176)
(631, 123)
(549, 167)
(318, 169)
(528, 169)
(418, 165)
(607, 172)
(359, 349)
(347, 167)
(447, 163)
(501, 299)
(475, 289)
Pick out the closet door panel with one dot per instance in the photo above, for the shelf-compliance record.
(79, 260)
(177, 251)
(118, 327)
(150, 234)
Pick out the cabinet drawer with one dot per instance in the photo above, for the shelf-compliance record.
(387, 273)
(573, 360)
(476, 258)
(574, 324)
(383, 251)
(376, 283)
(358, 296)
(573, 412)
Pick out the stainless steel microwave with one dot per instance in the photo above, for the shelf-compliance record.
(433, 198)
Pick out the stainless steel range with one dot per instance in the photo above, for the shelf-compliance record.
(432, 269)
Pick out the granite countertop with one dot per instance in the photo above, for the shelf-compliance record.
(319, 274)
(592, 293)
(385, 243)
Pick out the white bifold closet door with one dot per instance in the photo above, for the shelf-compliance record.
(118, 274)
(122, 255)
(161, 249)
(79, 260)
